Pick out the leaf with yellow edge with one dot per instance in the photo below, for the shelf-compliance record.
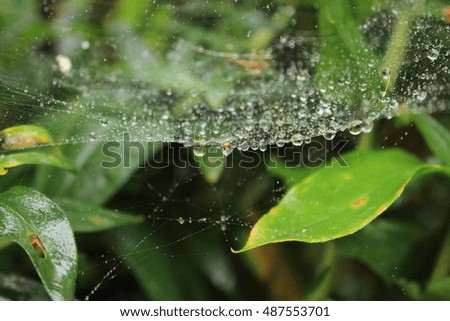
(24, 136)
(336, 201)
(34, 157)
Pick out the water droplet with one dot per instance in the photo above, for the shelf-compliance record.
(165, 115)
(85, 45)
(64, 63)
(386, 73)
(92, 136)
(363, 86)
(104, 122)
(248, 124)
(244, 146)
(199, 151)
(354, 127)
(367, 126)
(181, 220)
(433, 54)
(420, 95)
(264, 124)
(297, 140)
(393, 104)
(329, 135)
(227, 149)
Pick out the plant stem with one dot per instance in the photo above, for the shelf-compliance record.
(366, 140)
(442, 266)
(396, 51)
(392, 63)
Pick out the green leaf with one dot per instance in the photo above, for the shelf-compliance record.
(410, 288)
(93, 183)
(154, 272)
(132, 13)
(337, 201)
(40, 227)
(29, 136)
(16, 287)
(290, 176)
(85, 217)
(37, 158)
(386, 246)
(438, 290)
(436, 136)
(24, 136)
(157, 272)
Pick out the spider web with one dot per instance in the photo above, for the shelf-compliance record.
(290, 91)
(85, 91)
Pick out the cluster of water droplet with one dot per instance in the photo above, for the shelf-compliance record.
(201, 97)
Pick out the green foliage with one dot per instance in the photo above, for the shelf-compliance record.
(339, 26)
(84, 217)
(38, 158)
(356, 193)
(40, 227)
(29, 136)
(436, 136)
(176, 245)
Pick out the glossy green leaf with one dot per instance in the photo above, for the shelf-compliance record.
(24, 136)
(436, 136)
(16, 287)
(337, 201)
(37, 158)
(40, 227)
(290, 175)
(85, 217)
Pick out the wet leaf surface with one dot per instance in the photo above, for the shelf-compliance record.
(35, 158)
(40, 227)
